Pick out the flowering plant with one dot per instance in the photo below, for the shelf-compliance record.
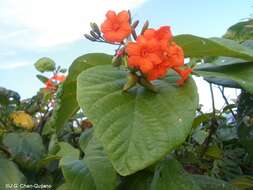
(148, 57)
(132, 120)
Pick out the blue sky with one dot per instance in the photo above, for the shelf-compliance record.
(32, 29)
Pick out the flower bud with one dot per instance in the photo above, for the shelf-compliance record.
(130, 16)
(93, 34)
(135, 24)
(131, 81)
(145, 27)
(147, 84)
(95, 28)
(89, 37)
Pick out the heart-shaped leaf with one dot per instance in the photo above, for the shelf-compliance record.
(139, 127)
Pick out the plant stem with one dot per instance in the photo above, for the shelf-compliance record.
(226, 101)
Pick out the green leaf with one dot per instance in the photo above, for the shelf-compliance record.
(99, 166)
(42, 78)
(195, 46)
(240, 73)
(64, 186)
(169, 175)
(67, 104)
(94, 172)
(66, 150)
(10, 174)
(53, 146)
(85, 138)
(25, 146)
(208, 183)
(139, 127)
(45, 64)
(226, 133)
(199, 135)
(8, 96)
(46, 161)
(77, 175)
(244, 182)
(214, 152)
(200, 119)
(240, 31)
(138, 181)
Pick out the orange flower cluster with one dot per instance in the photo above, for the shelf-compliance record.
(153, 52)
(50, 84)
(116, 27)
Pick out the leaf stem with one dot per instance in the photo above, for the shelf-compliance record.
(213, 127)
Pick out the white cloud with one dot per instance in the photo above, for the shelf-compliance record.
(48, 23)
(14, 65)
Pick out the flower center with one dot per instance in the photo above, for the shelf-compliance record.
(116, 26)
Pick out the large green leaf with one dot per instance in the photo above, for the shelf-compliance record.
(94, 172)
(139, 127)
(240, 31)
(239, 73)
(195, 46)
(10, 175)
(67, 104)
(169, 175)
(208, 183)
(229, 78)
(25, 146)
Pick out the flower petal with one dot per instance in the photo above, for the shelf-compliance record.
(123, 16)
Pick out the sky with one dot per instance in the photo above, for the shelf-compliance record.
(31, 29)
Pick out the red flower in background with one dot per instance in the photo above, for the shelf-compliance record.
(116, 27)
(49, 85)
(53, 81)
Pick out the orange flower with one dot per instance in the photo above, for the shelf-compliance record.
(146, 54)
(142, 54)
(173, 55)
(184, 74)
(154, 53)
(59, 78)
(116, 27)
